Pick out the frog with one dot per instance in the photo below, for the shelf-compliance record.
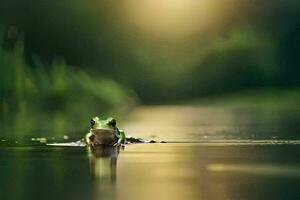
(104, 132)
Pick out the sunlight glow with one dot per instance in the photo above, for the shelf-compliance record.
(171, 18)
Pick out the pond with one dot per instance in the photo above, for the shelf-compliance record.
(211, 153)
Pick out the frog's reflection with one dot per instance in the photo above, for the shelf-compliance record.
(103, 167)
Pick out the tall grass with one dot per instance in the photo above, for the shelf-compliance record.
(52, 100)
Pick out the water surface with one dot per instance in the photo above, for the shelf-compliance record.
(212, 153)
(152, 171)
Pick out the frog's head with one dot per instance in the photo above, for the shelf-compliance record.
(109, 123)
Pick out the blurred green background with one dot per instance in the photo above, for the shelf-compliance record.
(62, 62)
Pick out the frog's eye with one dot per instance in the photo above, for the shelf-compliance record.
(112, 122)
(92, 122)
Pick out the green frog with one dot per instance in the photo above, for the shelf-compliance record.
(105, 132)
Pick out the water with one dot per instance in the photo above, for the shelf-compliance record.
(214, 153)
(152, 171)
(202, 123)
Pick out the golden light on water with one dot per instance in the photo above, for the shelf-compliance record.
(180, 123)
(262, 169)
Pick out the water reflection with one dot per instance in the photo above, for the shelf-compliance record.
(167, 123)
(225, 165)
(200, 123)
(152, 171)
(103, 170)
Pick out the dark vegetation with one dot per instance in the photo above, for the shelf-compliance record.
(253, 44)
(61, 61)
(53, 100)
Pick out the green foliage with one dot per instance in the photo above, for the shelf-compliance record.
(232, 45)
(52, 100)
(244, 59)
